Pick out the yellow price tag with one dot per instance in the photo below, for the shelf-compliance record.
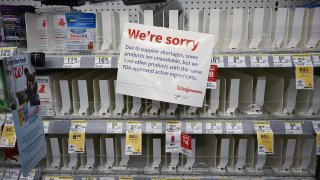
(77, 136)
(125, 178)
(304, 77)
(318, 143)
(133, 138)
(265, 142)
(8, 138)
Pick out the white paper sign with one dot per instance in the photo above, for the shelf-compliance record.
(154, 127)
(236, 61)
(194, 127)
(259, 61)
(164, 64)
(114, 127)
(102, 61)
(213, 127)
(217, 60)
(234, 128)
(282, 61)
(316, 60)
(293, 127)
(71, 61)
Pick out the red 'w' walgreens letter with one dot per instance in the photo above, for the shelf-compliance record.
(133, 33)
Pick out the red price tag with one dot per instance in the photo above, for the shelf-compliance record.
(212, 77)
(186, 144)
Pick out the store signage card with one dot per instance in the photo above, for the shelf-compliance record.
(164, 64)
(26, 113)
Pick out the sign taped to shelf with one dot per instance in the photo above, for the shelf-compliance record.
(77, 136)
(102, 61)
(133, 138)
(72, 61)
(259, 60)
(153, 127)
(302, 60)
(234, 128)
(316, 60)
(304, 77)
(217, 60)
(213, 127)
(212, 77)
(293, 127)
(7, 51)
(236, 61)
(114, 127)
(173, 136)
(46, 126)
(26, 113)
(186, 144)
(164, 64)
(194, 127)
(282, 60)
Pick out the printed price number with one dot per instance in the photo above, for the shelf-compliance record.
(133, 138)
(282, 61)
(6, 51)
(213, 127)
(102, 62)
(234, 128)
(293, 127)
(259, 61)
(154, 127)
(71, 61)
(262, 126)
(114, 127)
(302, 60)
(77, 136)
(217, 60)
(186, 144)
(236, 61)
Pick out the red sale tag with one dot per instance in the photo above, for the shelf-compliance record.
(212, 77)
(186, 144)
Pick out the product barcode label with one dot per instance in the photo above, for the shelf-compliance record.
(234, 128)
(154, 127)
(194, 127)
(293, 127)
(302, 60)
(282, 61)
(236, 61)
(213, 127)
(259, 61)
(114, 127)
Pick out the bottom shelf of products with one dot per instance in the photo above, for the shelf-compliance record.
(212, 155)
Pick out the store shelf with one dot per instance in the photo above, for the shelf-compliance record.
(100, 126)
(88, 61)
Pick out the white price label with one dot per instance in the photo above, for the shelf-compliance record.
(213, 127)
(71, 61)
(217, 60)
(234, 128)
(194, 127)
(316, 60)
(236, 61)
(282, 61)
(302, 60)
(293, 127)
(45, 126)
(262, 126)
(12, 174)
(316, 126)
(115, 127)
(259, 61)
(6, 51)
(154, 127)
(102, 62)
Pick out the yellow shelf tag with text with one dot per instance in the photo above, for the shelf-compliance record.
(304, 77)
(265, 142)
(8, 138)
(133, 138)
(77, 136)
